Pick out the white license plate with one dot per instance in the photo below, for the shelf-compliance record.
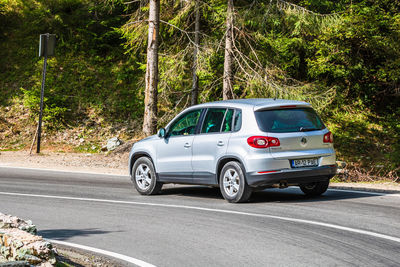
(297, 163)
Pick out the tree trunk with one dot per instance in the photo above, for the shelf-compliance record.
(228, 62)
(150, 98)
(195, 83)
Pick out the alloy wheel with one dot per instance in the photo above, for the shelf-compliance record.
(231, 182)
(143, 176)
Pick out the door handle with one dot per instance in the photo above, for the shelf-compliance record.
(220, 143)
(187, 145)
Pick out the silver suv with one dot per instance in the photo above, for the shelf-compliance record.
(239, 145)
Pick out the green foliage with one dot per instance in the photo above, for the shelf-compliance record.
(365, 139)
(54, 110)
(88, 72)
(361, 55)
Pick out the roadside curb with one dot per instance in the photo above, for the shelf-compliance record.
(365, 189)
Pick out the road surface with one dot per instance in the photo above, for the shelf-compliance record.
(195, 226)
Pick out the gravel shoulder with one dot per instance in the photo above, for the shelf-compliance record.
(113, 163)
(117, 163)
(68, 256)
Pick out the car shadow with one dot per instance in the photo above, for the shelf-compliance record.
(295, 195)
(287, 195)
(192, 191)
(65, 234)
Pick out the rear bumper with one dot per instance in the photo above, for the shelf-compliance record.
(292, 176)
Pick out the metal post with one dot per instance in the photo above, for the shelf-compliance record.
(42, 95)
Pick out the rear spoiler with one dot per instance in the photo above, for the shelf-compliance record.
(283, 106)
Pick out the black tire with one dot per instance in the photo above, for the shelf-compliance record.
(315, 189)
(243, 191)
(148, 184)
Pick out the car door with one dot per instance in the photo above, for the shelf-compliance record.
(174, 152)
(211, 144)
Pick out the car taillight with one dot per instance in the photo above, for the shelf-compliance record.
(328, 137)
(263, 141)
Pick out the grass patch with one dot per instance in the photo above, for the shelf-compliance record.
(367, 142)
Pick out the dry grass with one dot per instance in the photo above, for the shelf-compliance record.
(355, 173)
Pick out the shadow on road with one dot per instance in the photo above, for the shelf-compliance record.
(192, 191)
(293, 195)
(288, 195)
(65, 234)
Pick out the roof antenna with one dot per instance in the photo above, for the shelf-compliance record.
(276, 93)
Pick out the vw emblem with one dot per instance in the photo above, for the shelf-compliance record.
(303, 141)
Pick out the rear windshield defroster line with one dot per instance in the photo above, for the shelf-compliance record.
(288, 120)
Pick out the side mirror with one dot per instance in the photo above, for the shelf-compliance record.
(161, 133)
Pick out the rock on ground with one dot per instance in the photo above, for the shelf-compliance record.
(19, 243)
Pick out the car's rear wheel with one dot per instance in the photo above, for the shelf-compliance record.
(315, 189)
(232, 182)
(144, 177)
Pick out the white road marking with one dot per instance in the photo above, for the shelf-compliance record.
(328, 225)
(65, 171)
(358, 192)
(104, 252)
(393, 195)
(366, 192)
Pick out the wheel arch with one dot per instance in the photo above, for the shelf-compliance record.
(225, 159)
(135, 156)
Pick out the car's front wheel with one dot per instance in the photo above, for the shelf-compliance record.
(232, 182)
(144, 177)
(315, 189)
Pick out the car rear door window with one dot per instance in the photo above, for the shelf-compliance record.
(227, 124)
(288, 120)
(213, 121)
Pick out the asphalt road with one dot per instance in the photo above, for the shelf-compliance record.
(194, 226)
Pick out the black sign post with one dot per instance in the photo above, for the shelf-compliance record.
(46, 48)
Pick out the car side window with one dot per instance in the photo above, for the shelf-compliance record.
(186, 124)
(213, 121)
(227, 124)
(237, 120)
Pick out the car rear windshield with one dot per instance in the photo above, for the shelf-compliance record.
(288, 120)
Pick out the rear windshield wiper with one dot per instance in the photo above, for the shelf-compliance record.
(305, 129)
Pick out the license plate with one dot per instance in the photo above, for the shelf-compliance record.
(297, 163)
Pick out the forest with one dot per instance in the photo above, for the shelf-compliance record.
(342, 56)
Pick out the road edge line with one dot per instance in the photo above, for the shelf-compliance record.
(358, 191)
(103, 252)
(370, 190)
